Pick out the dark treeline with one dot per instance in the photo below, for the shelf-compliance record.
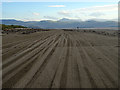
(11, 26)
(7, 29)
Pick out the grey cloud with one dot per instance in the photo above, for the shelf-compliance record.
(97, 14)
(64, 13)
(50, 17)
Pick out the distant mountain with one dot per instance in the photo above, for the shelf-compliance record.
(69, 20)
(64, 19)
(11, 21)
(103, 20)
(62, 23)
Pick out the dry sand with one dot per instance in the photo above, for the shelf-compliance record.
(60, 59)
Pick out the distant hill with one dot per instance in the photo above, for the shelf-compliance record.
(62, 23)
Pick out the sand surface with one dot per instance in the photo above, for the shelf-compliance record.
(60, 59)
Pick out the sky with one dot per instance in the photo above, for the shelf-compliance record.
(37, 11)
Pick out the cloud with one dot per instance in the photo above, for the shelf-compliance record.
(64, 13)
(56, 6)
(62, 1)
(100, 8)
(7, 1)
(105, 12)
(36, 14)
(31, 19)
(96, 14)
(50, 17)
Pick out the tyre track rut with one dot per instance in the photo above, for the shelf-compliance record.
(59, 59)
